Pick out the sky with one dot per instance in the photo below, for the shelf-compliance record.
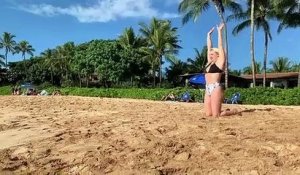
(50, 23)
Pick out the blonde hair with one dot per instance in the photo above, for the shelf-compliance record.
(216, 50)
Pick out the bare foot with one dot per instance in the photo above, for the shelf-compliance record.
(229, 112)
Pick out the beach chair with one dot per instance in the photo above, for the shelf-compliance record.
(235, 99)
(186, 97)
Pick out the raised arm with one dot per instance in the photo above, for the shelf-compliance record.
(209, 43)
(220, 45)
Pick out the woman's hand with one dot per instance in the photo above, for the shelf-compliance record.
(210, 31)
(220, 27)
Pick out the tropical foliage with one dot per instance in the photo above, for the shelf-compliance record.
(8, 43)
(162, 43)
(281, 64)
(248, 69)
(136, 58)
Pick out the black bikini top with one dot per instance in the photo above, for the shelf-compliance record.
(213, 69)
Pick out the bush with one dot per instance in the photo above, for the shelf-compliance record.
(265, 96)
(5, 90)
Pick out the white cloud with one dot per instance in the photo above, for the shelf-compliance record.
(171, 2)
(102, 10)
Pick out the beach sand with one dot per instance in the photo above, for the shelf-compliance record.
(84, 135)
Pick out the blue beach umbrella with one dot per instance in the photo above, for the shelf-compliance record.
(27, 85)
(197, 79)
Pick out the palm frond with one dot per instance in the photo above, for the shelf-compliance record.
(191, 9)
(238, 16)
(233, 6)
(237, 29)
(171, 58)
(266, 28)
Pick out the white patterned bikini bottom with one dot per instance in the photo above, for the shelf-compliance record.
(211, 87)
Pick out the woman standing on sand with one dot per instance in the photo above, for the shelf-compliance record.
(213, 72)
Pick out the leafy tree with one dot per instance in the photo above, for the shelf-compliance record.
(132, 50)
(151, 56)
(2, 59)
(281, 64)
(198, 64)
(24, 48)
(49, 62)
(82, 65)
(129, 39)
(109, 65)
(174, 71)
(8, 43)
(162, 39)
(236, 72)
(248, 69)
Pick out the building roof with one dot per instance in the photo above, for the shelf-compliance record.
(273, 75)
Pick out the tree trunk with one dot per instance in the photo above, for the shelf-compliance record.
(79, 80)
(225, 43)
(299, 77)
(87, 80)
(226, 53)
(6, 52)
(252, 43)
(153, 74)
(51, 74)
(265, 60)
(160, 71)
(25, 69)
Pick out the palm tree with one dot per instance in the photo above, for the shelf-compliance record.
(2, 63)
(191, 9)
(264, 11)
(151, 56)
(25, 48)
(7, 42)
(175, 70)
(249, 69)
(281, 64)
(48, 55)
(252, 42)
(129, 39)
(197, 64)
(64, 55)
(163, 39)
(288, 12)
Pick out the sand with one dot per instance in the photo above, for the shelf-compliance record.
(83, 135)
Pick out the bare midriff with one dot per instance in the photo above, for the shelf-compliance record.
(213, 78)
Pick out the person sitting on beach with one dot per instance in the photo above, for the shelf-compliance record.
(17, 91)
(12, 90)
(213, 72)
(186, 97)
(29, 91)
(170, 97)
(43, 93)
(56, 93)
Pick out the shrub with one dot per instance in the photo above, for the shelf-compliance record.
(254, 96)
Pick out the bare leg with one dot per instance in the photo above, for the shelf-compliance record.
(207, 105)
(230, 112)
(216, 101)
